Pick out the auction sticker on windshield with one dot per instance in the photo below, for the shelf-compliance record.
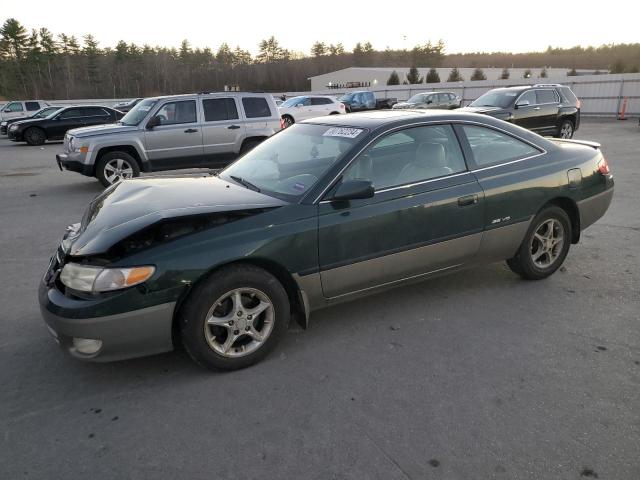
(342, 132)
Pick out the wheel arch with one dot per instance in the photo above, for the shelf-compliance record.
(571, 208)
(254, 138)
(299, 311)
(130, 149)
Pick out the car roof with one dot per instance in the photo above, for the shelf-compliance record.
(205, 94)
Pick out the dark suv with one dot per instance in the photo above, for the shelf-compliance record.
(547, 109)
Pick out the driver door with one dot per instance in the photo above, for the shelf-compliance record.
(177, 141)
(426, 214)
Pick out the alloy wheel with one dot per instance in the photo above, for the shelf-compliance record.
(567, 130)
(547, 243)
(239, 322)
(117, 169)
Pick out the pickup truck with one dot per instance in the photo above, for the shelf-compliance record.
(365, 100)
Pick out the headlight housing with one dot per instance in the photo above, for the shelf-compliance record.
(14, 126)
(3, 124)
(72, 146)
(85, 278)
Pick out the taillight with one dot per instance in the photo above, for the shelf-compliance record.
(342, 106)
(282, 124)
(603, 167)
(579, 104)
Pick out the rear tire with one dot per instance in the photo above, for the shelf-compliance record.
(220, 333)
(114, 167)
(35, 136)
(566, 129)
(545, 246)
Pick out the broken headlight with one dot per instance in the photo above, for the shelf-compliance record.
(85, 278)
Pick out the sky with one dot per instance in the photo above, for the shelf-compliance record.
(465, 26)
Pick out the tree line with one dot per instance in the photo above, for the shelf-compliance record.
(41, 64)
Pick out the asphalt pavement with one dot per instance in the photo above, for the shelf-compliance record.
(478, 375)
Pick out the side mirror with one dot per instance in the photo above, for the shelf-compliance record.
(523, 103)
(153, 122)
(353, 190)
(298, 105)
(429, 101)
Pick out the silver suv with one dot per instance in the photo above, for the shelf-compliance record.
(168, 133)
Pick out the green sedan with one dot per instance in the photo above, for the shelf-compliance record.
(326, 211)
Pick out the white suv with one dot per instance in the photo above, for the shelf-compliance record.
(23, 108)
(300, 108)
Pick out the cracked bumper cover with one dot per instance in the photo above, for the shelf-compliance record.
(136, 333)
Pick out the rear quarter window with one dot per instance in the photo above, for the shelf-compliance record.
(256, 107)
(32, 106)
(491, 147)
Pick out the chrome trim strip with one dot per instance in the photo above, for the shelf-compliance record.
(508, 163)
(409, 185)
(428, 123)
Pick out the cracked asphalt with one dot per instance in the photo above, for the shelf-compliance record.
(478, 375)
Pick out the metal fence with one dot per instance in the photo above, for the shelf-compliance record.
(601, 95)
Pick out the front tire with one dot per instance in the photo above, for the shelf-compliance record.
(566, 129)
(35, 136)
(234, 318)
(288, 120)
(114, 167)
(545, 245)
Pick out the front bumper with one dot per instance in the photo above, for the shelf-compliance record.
(15, 135)
(136, 333)
(66, 162)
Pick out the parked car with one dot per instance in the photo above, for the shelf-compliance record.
(301, 108)
(169, 133)
(325, 211)
(547, 109)
(21, 108)
(44, 113)
(124, 107)
(365, 100)
(36, 131)
(431, 100)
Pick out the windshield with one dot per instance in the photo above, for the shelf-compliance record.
(46, 112)
(347, 97)
(139, 112)
(291, 162)
(419, 98)
(499, 98)
(292, 102)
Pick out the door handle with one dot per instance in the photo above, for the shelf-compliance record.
(191, 130)
(233, 127)
(467, 200)
(537, 108)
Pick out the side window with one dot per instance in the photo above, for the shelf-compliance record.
(547, 96)
(14, 107)
(491, 147)
(256, 107)
(32, 106)
(409, 156)
(219, 109)
(443, 98)
(320, 101)
(431, 99)
(70, 113)
(94, 112)
(529, 96)
(173, 113)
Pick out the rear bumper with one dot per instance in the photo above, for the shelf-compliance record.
(593, 208)
(137, 333)
(65, 162)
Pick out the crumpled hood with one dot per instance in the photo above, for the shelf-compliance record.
(485, 110)
(107, 129)
(132, 205)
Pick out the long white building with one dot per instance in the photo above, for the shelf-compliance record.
(354, 77)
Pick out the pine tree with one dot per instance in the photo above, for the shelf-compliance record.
(543, 73)
(413, 77)
(478, 74)
(432, 76)
(454, 76)
(393, 79)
